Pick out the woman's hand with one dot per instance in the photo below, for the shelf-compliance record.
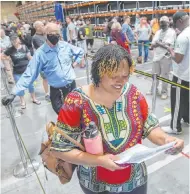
(107, 161)
(178, 147)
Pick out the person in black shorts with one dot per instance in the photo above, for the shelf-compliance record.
(89, 30)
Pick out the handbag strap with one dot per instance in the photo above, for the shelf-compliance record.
(69, 138)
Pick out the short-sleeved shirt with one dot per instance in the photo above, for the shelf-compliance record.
(143, 32)
(19, 58)
(168, 37)
(38, 40)
(121, 127)
(126, 29)
(81, 32)
(5, 42)
(89, 31)
(71, 27)
(181, 70)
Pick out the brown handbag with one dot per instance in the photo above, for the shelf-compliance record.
(62, 169)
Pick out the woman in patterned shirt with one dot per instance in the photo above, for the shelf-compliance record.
(121, 113)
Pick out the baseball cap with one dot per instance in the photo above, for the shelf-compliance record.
(178, 15)
(164, 18)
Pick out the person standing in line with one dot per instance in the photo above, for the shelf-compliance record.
(126, 29)
(181, 74)
(137, 21)
(55, 59)
(26, 39)
(27, 27)
(154, 23)
(121, 114)
(118, 37)
(4, 44)
(143, 35)
(162, 61)
(20, 56)
(38, 40)
(107, 29)
(71, 31)
(89, 29)
(81, 41)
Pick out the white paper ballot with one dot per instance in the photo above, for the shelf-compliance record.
(140, 153)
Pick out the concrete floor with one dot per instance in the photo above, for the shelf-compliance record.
(167, 174)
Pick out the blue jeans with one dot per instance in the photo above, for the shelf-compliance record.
(30, 87)
(146, 48)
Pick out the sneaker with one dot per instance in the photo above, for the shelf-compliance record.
(164, 96)
(169, 130)
(151, 93)
(185, 121)
(47, 98)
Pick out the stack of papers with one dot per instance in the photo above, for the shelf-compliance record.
(140, 153)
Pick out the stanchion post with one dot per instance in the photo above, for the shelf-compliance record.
(154, 86)
(87, 69)
(26, 167)
(143, 53)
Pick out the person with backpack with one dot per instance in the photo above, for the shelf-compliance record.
(81, 40)
(20, 56)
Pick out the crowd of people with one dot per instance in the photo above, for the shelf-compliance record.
(19, 42)
(115, 105)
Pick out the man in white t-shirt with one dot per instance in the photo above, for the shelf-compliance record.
(162, 60)
(180, 56)
(71, 31)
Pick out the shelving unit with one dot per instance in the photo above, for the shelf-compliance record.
(38, 10)
(97, 11)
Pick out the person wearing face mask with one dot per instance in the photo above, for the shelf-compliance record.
(55, 59)
(181, 74)
(162, 60)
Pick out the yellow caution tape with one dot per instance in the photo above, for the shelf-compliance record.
(162, 79)
(166, 109)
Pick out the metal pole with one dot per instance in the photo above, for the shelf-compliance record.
(154, 85)
(19, 144)
(87, 69)
(27, 166)
(4, 79)
(143, 53)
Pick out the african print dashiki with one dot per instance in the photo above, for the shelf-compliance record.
(121, 127)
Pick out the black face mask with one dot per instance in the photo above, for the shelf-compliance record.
(53, 38)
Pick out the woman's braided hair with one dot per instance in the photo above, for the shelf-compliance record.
(107, 61)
